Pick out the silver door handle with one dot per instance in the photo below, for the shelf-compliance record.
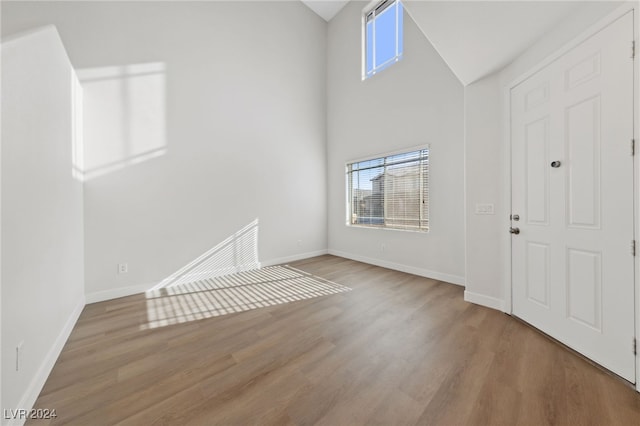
(515, 231)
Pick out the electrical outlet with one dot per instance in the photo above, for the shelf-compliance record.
(123, 268)
(484, 209)
(19, 355)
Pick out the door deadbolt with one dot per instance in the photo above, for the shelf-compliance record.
(515, 231)
(515, 217)
(555, 164)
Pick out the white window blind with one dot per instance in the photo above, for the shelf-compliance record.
(390, 191)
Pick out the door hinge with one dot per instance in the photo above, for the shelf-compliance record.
(633, 147)
(633, 49)
(633, 247)
(635, 346)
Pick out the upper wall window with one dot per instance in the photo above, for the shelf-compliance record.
(382, 36)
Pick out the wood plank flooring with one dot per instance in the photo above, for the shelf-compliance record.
(397, 350)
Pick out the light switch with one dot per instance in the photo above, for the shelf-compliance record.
(484, 209)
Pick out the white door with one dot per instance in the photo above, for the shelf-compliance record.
(572, 188)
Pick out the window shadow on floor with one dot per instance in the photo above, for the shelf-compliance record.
(234, 293)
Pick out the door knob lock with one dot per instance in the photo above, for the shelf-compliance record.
(515, 231)
(555, 164)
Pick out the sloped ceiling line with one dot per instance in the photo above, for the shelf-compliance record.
(477, 38)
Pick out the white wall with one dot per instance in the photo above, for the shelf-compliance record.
(42, 244)
(487, 158)
(416, 101)
(237, 120)
(484, 163)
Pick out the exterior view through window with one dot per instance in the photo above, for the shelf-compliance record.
(383, 36)
(390, 192)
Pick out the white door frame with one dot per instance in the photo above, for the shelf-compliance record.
(506, 241)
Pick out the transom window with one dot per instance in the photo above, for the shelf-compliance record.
(390, 192)
(382, 36)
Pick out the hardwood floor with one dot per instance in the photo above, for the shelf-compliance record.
(396, 350)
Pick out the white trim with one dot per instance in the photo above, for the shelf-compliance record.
(369, 6)
(115, 293)
(37, 382)
(222, 271)
(636, 187)
(363, 43)
(293, 258)
(506, 213)
(487, 301)
(202, 275)
(440, 276)
(465, 225)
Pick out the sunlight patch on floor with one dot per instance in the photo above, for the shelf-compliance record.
(234, 293)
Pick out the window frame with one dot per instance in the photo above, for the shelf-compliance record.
(372, 8)
(425, 206)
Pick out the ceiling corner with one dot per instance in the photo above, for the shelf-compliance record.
(326, 9)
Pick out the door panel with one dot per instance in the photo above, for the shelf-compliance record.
(538, 273)
(572, 186)
(537, 158)
(583, 71)
(583, 154)
(584, 290)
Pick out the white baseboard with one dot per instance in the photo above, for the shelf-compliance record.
(453, 279)
(37, 382)
(178, 279)
(101, 296)
(487, 301)
(218, 272)
(293, 258)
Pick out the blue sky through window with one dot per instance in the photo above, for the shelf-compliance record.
(383, 38)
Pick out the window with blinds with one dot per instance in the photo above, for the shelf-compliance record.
(382, 36)
(390, 192)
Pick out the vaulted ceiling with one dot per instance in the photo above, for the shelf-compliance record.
(327, 9)
(476, 38)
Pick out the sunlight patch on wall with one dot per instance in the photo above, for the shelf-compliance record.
(234, 293)
(238, 252)
(123, 116)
